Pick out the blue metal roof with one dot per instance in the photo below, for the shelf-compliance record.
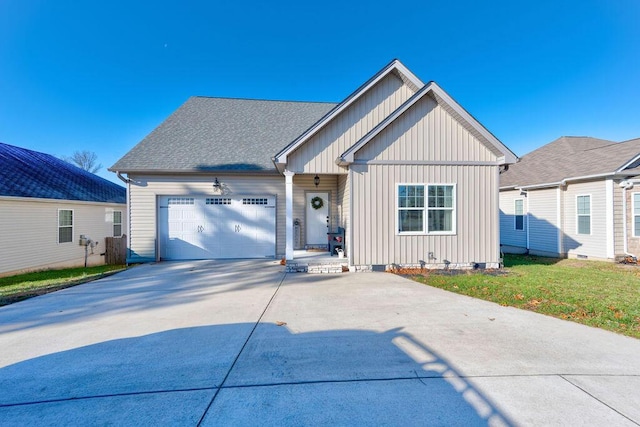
(26, 173)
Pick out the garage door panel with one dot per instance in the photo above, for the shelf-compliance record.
(217, 227)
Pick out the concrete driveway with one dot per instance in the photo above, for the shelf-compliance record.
(241, 343)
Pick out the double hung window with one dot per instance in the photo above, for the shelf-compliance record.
(426, 209)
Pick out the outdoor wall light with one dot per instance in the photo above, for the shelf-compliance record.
(316, 180)
(216, 184)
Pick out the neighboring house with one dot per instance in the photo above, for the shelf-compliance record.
(574, 197)
(46, 204)
(406, 171)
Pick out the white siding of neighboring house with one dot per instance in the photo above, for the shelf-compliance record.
(512, 240)
(318, 155)
(29, 230)
(595, 244)
(425, 133)
(144, 191)
(543, 221)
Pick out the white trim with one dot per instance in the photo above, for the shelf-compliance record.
(579, 215)
(422, 163)
(629, 163)
(515, 214)
(59, 201)
(610, 227)
(281, 157)
(58, 225)
(288, 181)
(425, 209)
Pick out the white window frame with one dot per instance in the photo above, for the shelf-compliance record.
(425, 209)
(634, 214)
(113, 225)
(65, 226)
(516, 215)
(578, 215)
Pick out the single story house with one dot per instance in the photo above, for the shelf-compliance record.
(574, 197)
(408, 174)
(46, 204)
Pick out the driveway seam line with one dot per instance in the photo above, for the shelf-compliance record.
(102, 396)
(594, 397)
(204, 414)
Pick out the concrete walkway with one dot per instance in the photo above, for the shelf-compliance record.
(232, 343)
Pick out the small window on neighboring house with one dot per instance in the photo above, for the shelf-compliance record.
(117, 224)
(65, 225)
(583, 208)
(519, 214)
(636, 214)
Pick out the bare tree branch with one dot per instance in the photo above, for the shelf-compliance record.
(85, 160)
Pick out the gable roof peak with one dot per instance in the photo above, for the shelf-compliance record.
(395, 66)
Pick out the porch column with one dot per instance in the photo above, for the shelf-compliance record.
(288, 181)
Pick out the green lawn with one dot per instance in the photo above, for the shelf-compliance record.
(600, 294)
(23, 286)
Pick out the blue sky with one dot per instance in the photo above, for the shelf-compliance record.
(102, 75)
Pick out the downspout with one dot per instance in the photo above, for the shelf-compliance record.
(122, 178)
(526, 195)
(626, 185)
(127, 181)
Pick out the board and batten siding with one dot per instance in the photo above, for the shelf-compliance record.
(426, 132)
(318, 155)
(29, 230)
(144, 192)
(543, 221)
(509, 236)
(374, 224)
(592, 245)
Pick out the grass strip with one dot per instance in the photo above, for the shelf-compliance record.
(22, 286)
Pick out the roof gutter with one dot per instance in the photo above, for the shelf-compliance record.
(122, 178)
(561, 183)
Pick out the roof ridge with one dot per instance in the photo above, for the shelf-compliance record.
(261, 99)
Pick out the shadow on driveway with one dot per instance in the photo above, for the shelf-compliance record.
(199, 374)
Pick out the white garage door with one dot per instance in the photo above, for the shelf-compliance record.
(197, 227)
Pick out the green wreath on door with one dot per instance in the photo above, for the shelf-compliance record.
(317, 203)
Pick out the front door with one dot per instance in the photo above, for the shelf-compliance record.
(317, 212)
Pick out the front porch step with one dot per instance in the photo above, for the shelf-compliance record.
(316, 268)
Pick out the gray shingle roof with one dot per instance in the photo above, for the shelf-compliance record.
(222, 134)
(26, 173)
(570, 157)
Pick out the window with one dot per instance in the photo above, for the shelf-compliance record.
(437, 215)
(519, 214)
(65, 225)
(181, 201)
(636, 214)
(218, 201)
(117, 224)
(583, 209)
(411, 208)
